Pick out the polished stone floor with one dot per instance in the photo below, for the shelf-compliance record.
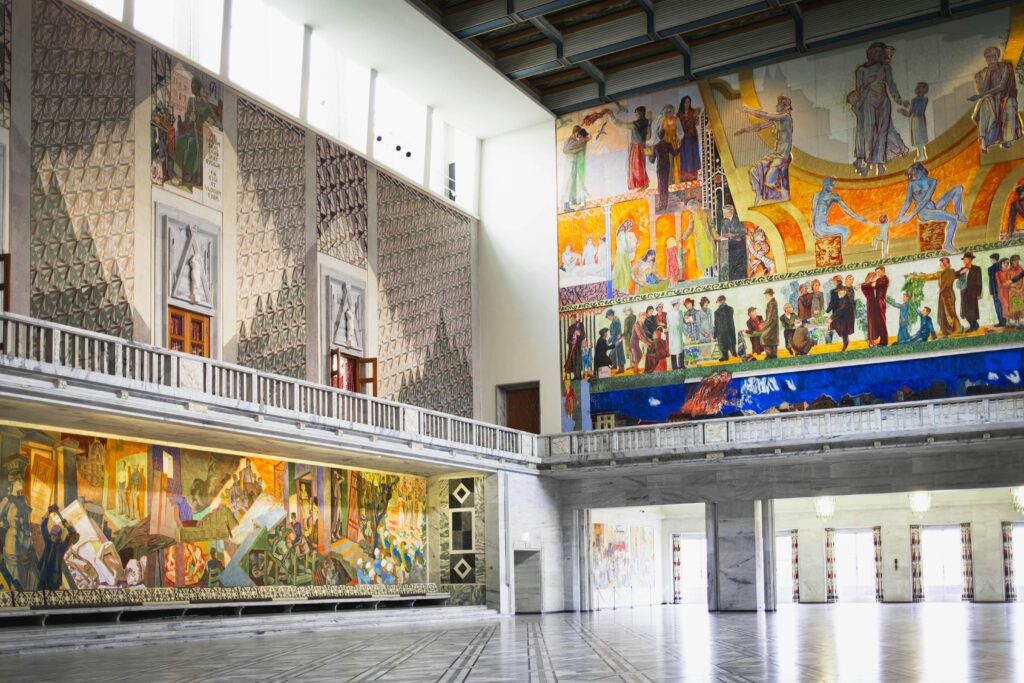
(937, 642)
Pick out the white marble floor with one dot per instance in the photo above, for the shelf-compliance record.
(937, 642)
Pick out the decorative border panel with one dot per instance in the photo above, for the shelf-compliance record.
(340, 203)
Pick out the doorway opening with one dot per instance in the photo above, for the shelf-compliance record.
(786, 577)
(941, 563)
(689, 569)
(855, 565)
(519, 407)
(528, 583)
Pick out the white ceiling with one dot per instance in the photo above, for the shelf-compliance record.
(420, 58)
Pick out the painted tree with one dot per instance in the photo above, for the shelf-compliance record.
(376, 491)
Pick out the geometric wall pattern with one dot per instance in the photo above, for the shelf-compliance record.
(340, 202)
(83, 153)
(271, 242)
(425, 300)
(462, 573)
(5, 64)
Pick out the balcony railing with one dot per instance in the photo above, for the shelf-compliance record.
(81, 351)
(812, 430)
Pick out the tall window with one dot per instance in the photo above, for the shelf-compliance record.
(399, 131)
(453, 163)
(339, 94)
(266, 53)
(193, 28)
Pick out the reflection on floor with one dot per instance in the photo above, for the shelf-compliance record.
(930, 642)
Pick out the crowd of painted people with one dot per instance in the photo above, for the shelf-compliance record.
(655, 338)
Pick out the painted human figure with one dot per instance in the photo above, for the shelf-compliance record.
(916, 112)
(881, 292)
(881, 240)
(871, 303)
(251, 485)
(843, 316)
(995, 111)
(690, 320)
(122, 490)
(993, 288)
(189, 138)
(616, 346)
(905, 306)
(644, 273)
(657, 351)
(770, 328)
(769, 176)
(725, 330)
(625, 249)
(926, 329)
(676, 340)
(1013, 285)
(754, 325)
(949, 323)
(788, 320)
(804, 303)
(877, 140)
(57, 538)
(705, 321)
(639, 134)
(602, 359)
(575, 148)
(1016, 210)
(662, 155)
(759, 260)
(920, 192)
(822, 202)
(674, 260)
(705, 238)
(18, 567)
(589, 252)
(638, 342)
(801, 341)
(689, 145)
(970, 284)
(734, 233)
(668, 124)
(574, 335)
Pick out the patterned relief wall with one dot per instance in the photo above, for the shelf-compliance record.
(340, 203)
(271, 242)
(5, 65)
(425, 293)
(83, 147)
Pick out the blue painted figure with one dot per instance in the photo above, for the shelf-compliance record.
(926, 331)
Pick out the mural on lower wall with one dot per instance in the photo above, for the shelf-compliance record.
(83, 512)
(991, 371)
(621, 556)
(847, 206)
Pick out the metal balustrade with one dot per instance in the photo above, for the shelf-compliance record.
(811, 430)
(80, 353)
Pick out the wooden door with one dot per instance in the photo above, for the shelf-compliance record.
(522, 409)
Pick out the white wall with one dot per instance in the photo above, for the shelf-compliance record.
(984, 509)
(517, 258)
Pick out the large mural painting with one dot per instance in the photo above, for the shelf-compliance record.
(94, 513)
(861, 205)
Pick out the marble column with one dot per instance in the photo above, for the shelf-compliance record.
(739, 556)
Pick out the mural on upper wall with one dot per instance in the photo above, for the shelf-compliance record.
(187, 130)
(862, 203)
(84, 512)
(5, 64)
